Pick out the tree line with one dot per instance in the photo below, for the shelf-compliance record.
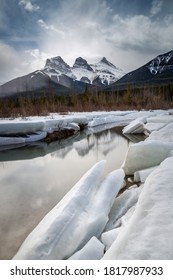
(147, 97)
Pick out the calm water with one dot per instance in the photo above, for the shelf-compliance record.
(33, 179)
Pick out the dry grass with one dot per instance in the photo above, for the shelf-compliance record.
(125, 100)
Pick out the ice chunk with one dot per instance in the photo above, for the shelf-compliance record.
(108, 237)
(20, 127)
(81, 214)
(73, 126)
(135, 127)
(121, 205)
(145, 154)
(21, 140)
(148, 234)
(59, 234)
(11, 140)
(93, 250)
(141, 175)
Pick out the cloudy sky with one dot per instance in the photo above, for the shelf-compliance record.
(128, 33)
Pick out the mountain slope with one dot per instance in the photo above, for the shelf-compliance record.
(157, 71)
(36, 83)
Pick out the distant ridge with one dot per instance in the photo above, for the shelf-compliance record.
(157, 71)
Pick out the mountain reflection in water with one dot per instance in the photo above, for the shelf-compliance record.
(34, 178)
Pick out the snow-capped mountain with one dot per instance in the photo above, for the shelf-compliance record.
(156, 72)
(58, 77)
(100, 74)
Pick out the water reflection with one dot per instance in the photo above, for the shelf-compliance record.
(34, 178)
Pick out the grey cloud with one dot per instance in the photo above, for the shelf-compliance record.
(18, 63)
(77, 28)
(80, 29)
(8, 61)
(156, 7)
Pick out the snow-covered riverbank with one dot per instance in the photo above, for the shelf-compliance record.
(33, 129)
(91, 221)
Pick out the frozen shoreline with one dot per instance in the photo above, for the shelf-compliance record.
(33, 129)
(136, 221)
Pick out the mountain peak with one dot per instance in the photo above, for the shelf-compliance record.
(82, 63)
(105, 61)
(58, 64)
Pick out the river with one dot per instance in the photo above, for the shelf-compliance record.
(34, 178)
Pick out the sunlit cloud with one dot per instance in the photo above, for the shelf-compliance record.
(28, 6)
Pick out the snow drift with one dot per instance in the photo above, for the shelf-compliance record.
(148, 234)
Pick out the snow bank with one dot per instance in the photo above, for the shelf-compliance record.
(93, 250)
(163, 118)
(54, 122)
(148, 234)
(154, 126)
(103, 120)
(80, 215)
(164, 134)
(145, 154)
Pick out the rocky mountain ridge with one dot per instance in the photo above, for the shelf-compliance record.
(158, 71)
(59, 77)
(105, 71)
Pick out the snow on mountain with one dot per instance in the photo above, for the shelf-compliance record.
(157, 71)
(57, 65)
(101, 73)
(107, 72)
(82, 63)
(58, 76)
(161, 63)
